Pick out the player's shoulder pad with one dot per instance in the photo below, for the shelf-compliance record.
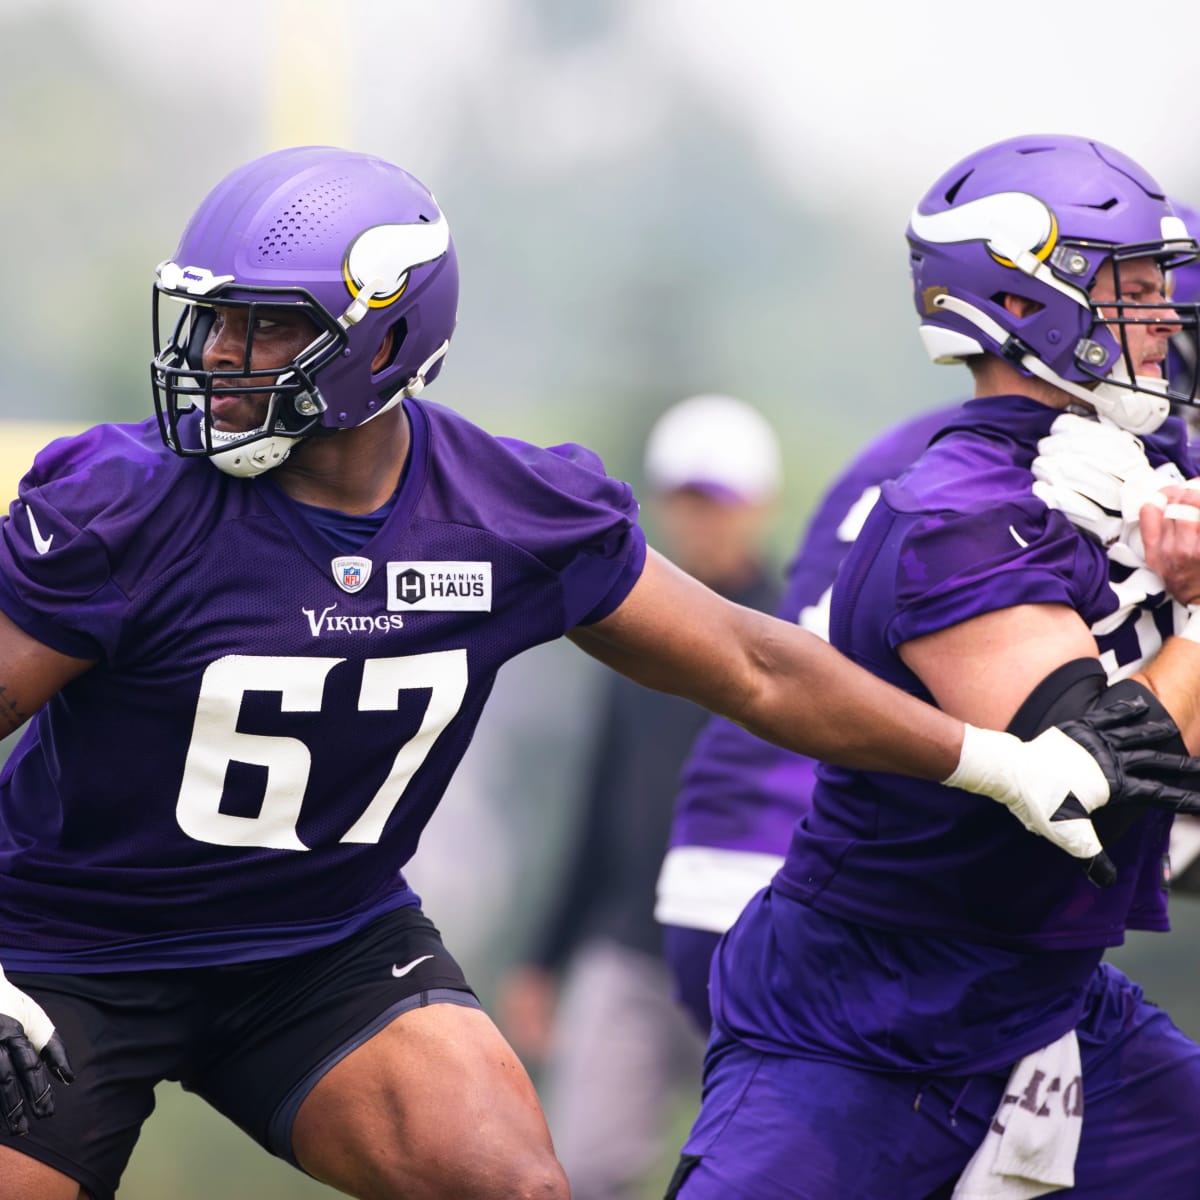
(503, 482)
(91, 494)
(104, 467)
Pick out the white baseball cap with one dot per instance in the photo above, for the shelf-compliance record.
(718, 444)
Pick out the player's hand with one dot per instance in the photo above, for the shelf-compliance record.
(1051, 784)
(30, 1050)
(1172, 539)
(1130, 751)
(1098, 475)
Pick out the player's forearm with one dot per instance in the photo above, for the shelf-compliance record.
(782, 683)
(30, 674)
(814, 700)
(788, 687)
(1173, 675)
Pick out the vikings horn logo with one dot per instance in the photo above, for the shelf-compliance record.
(377, 264)
(1013, 224)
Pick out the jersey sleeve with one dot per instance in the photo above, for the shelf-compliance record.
(580, 523)
(56, 548)
(952, 566)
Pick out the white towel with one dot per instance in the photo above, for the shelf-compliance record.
(1031, 1145)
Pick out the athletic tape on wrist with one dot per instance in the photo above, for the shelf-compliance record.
(1191, 627)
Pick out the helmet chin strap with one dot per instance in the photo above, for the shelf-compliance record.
(416, 384)
(234, 455)
(1139, 411)
(248, 459)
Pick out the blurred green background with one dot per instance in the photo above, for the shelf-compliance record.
(648, 200)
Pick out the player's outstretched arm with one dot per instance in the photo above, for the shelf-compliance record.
(673, 634)
(30, 1050)
(30, 673)
(791, 688)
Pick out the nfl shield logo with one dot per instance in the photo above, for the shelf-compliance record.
(351, 573)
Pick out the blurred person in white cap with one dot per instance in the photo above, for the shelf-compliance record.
(594, 1003)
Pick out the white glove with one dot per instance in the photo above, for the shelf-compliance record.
(1098, 475)
(1036, 781)
(28, 1046)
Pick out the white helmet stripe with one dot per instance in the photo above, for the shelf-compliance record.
(1012, 224)
(382, 256)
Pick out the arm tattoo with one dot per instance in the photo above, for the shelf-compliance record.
(12, 716)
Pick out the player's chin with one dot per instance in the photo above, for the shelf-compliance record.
(237, 414)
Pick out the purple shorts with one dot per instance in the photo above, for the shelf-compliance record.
(773, 1127)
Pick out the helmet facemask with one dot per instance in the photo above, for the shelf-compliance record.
(182, 385)
(1183, 355)
(1122, 391)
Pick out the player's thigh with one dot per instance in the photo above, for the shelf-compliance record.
(278, 1025)
(436, 1104)
(773, 1127)
(1141, 1091)
(369, 1064)
(124, 1033)
(24, 1178)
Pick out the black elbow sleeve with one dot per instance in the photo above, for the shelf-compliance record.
(1073, 691)
(1077, 688)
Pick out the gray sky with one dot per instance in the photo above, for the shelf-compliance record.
(859, 104)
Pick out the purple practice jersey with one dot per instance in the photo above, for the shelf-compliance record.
(270, 723)
(900, 880)
(739, 796)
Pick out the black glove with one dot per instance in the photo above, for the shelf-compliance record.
(1140, 760)
(24, 1072)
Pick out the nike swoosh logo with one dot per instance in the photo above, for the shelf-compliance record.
(40, 544)
(1018, 538)
(416, 962)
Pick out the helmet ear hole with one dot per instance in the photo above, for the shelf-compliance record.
(397, 335)
(200, 324)
(1020, 306)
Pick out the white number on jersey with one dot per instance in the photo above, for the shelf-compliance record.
(300, 682)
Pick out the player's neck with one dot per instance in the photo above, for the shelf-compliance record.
(354, 470)
(994, 377)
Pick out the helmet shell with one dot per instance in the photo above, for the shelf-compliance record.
(338, 227)
(1034, 216)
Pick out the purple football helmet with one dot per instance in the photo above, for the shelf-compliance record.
(359, 246)
(1037, 217)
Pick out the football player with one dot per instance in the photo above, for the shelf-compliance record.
(739, 796)
(917, 1006)
(254, 634)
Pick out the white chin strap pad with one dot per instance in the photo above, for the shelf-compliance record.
(1138, 412)
(251, 458)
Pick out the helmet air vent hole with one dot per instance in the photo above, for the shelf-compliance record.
(955, 187)
(305, 223)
